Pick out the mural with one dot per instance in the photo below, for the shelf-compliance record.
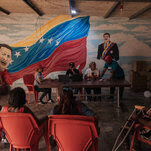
(133, 37)
(51, 47)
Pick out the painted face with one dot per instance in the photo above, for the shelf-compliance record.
(92, 67)
(106, 38)
(5, 57)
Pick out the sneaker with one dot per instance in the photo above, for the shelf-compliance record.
(42, 102)
(4, 140)
(51, 101)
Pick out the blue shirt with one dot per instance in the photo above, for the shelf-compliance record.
(114, 66)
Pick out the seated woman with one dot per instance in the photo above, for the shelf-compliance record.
(16, 103)
(92, 73)
(38, 79)
(68, 106)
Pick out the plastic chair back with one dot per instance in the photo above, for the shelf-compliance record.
(21, 129)
(29, 83)
(136, 135)
(73, 133)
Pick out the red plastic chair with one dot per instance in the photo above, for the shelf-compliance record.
(22, 131)
(29, 82)
(136, 135)
(73, 133)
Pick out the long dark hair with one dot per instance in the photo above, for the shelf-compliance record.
(67, 104)
(17, 97)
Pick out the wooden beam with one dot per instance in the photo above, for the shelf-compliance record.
(34, 7)
(111, 9)
(140, 12)
(4, 11)
(118, 0)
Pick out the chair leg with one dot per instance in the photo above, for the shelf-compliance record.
(28, 97)
(36, 97)
(10, 148)
(34, 148)
(132, 141)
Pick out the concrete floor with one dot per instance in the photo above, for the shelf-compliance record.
(111, 118)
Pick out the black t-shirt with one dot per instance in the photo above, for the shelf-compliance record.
(70, 73)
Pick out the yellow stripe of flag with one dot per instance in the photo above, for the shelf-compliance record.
(42, 30)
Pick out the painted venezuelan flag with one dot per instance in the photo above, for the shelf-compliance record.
(53, 46)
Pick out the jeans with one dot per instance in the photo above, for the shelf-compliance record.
(45, 92)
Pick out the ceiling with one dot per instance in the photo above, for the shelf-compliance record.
(104, 8)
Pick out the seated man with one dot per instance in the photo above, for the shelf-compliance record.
(38, 79)
(116, 73)
(92, 73)
(72, 70)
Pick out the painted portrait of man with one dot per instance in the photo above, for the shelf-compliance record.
(5, 60)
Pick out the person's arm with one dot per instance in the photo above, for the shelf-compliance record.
(114, 69)
(75, 71)
(103, 72)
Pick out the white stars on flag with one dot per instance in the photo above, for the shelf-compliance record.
(26, 49)
(17, 54)
(41, 40)
(57, 43)
(50, 40)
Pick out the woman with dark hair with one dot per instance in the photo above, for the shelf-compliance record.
(16, 103)
(67, 105)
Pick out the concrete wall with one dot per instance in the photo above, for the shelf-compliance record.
(133, 37)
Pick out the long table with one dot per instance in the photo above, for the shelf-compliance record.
(48, 83)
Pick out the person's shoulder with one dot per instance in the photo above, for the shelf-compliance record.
(102, 44)
(115, 63)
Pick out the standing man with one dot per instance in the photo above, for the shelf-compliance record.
(117, 73)
(108, 48)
